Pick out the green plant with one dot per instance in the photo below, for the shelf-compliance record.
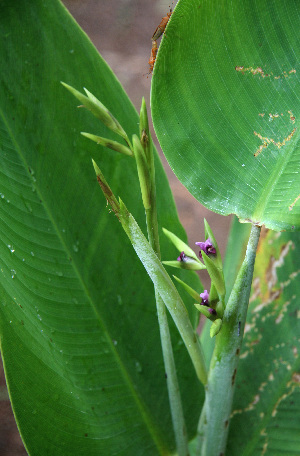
(79, 336)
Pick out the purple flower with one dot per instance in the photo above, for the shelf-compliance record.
(205, 298)
(212, 311)
(182, 257)
(207, 247)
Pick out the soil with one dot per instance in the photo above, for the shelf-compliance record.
(121, 30)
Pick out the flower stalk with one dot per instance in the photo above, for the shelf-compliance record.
(143, 151)
(215, 416)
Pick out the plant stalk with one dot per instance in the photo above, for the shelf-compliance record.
(167, 350)
(214, 421)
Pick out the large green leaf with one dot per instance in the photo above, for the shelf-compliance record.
(266, 410)
(78, 325)
(225, 87)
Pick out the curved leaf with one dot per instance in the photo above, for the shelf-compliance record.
(78, 326)
(225, 106)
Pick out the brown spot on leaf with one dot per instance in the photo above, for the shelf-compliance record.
(266, 141)
(259, 71)
(294, 202)
(233, 377)
(296, 377)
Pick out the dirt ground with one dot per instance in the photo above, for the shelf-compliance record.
(121, 30)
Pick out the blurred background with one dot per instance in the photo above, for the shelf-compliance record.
(121, 30)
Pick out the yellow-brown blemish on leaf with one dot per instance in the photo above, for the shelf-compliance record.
(291, 385)
(260, 71)
(267, 141)
(294, 202)
(248, 408)
(273, 116)
(273, 289)
(263, 432)
(296, 377)
(262, 386)
(265, 447)
(271, 272)
(256, 289)
(292, 117)
(282, 312)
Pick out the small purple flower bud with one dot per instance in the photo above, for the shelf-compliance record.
(182, 257)
(207, 247)
(212, 311)
(205, 298)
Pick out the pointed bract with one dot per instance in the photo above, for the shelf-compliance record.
(188, 289)
(100, 111)
(114, 145)
(182, 247)
(215, 327)
(143, 171)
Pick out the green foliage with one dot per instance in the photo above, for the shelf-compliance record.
(78, 325)
(225, 88)
(265, 416)
(79, 335)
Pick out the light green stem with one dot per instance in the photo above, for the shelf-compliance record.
(167, 350)
(214, 420)
(172, 381)
(167, 291)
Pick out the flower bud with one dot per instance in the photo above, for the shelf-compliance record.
(187, 258)
(215, 327)
(98, 110)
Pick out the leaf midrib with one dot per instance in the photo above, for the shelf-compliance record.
(127, 379)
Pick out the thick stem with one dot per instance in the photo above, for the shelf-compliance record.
(214, 422)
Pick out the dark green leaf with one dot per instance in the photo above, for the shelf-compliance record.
(78, 325)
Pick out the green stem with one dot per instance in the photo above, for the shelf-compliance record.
(214, 420)
(167, 350)
(172, 381)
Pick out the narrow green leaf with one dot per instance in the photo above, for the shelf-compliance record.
(195, 295)
(182, 246)
(216, 275)
(114, 145)
(188, 264)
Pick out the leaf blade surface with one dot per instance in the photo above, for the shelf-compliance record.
(78, 327)
(225, 88)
